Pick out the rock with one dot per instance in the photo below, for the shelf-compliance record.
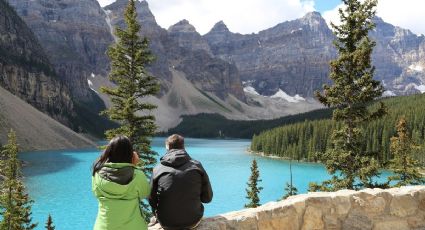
(403, 205)
(367, 203)
(321, 212)
(417, 221)
(313, 219)
(186, 36)
(183, 48)
(357, 221)
(75, 36)
(25, 70)
(395, 224)
(294, 56)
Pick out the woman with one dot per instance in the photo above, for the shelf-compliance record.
(119, 186)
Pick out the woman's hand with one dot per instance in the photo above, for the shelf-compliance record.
(135, 160)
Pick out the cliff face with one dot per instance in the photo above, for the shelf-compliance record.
(294, 56)
(399, 58)
(75, 36)
(182, 48)
(25, 70)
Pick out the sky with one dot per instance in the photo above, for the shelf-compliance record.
(252, 16)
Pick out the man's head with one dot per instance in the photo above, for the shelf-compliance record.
(174, 141)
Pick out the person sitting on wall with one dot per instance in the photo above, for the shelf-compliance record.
(179, 186)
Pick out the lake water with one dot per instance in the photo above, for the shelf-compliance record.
(60, 181)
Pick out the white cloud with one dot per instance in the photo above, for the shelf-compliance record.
(408, 14)
(242, 16)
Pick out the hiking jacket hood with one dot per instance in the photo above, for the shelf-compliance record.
(179, 187)
(119, 187)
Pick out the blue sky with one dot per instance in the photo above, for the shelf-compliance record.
(252, 16)
(325, 5)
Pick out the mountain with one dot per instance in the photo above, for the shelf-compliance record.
(294, 56)
(26, 71)
(193, 80)
(181, 48)
(75, 36)
(263, 75)
(399, 58)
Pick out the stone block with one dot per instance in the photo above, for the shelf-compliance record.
(392, 224)
(357, 221)
(313, 219)
(367, 203)
(403, 205)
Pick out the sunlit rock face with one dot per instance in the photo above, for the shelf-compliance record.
(182, 48)
(75, 36)
(25, 69)
(294, 56)
(398, 208)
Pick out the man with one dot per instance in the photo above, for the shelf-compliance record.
(179, 187)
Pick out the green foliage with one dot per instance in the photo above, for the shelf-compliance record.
(211, 125)
(15, 203)
(253, 189)
(308, 140)
(353, 88)
(404, 166)
(290, 190)
(49, 223)
(129, 56)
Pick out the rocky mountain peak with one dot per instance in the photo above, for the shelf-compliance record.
(220, 27)
(314, 19)
(182, 26)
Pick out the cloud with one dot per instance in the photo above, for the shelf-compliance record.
(408, 14)
(242, 16)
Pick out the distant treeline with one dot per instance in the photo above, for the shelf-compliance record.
(304, 140)
(217, 126)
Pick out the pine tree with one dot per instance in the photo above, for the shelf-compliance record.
(403, 164)
(14, 201)
(290, 189)
(49, 223)
(253, 189)
(129, 56)
(352, 90)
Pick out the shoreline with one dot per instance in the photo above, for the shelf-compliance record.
(261, 154)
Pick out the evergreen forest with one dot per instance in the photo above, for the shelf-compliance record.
(306, 140)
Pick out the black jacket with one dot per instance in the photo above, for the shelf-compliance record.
(179, 187)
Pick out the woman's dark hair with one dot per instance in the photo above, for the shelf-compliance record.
(119, 150)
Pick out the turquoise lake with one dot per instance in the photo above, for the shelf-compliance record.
(60, 181)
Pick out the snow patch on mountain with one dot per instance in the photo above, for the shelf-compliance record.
(293, 99)
(251, 90)
(416, 68)
(421, 88)
(91, 85)
(388, 93)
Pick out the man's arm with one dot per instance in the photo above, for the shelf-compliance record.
(206, 193)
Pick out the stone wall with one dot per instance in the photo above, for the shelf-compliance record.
(377, 209)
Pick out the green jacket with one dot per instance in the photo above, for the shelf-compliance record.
(118, 188)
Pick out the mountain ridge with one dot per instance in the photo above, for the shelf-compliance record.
(260, 71)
